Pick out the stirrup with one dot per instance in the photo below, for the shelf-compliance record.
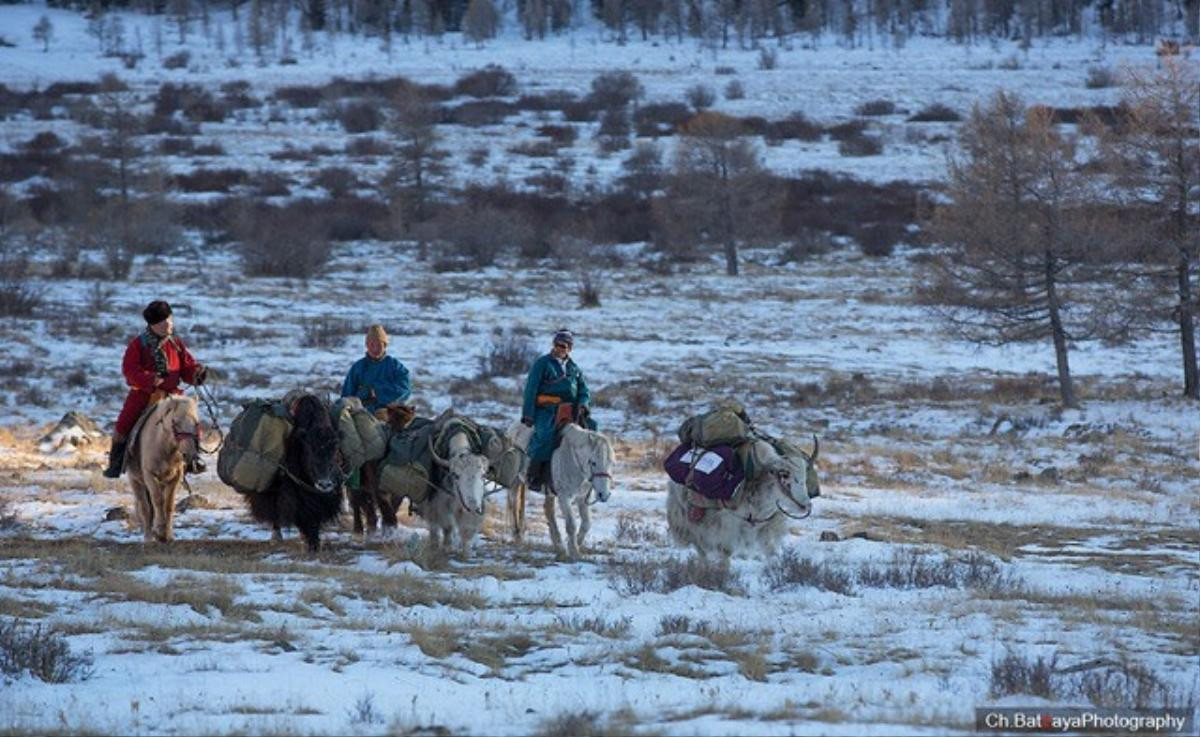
(195, 466)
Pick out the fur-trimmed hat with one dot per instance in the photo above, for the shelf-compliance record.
(156, 312)
(376, 332)
(564, 336)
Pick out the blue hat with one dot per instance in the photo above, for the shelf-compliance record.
(564, 336)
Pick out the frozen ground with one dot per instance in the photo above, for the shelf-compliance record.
(1073, 534)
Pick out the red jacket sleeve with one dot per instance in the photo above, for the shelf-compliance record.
(136, 376)
(187, 364)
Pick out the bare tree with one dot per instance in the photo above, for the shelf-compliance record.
(719, 191)
(481, 21)
(418, 172)
(1154, 154)
(43, 31)
(1024, 238)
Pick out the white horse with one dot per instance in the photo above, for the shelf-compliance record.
(582, 463)
(456, 506)
(757, 522)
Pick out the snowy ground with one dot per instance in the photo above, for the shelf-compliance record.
(1073, 534)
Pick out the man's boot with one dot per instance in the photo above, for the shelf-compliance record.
(537, 470)
(195, 465)
(116, 459)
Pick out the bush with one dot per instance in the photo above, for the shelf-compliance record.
(235, 95)
(19, 297)
(359, 117)
(43, 653)
(614, 123)
(176, 146)
(768, 58)
(876, 107)
(724, 70)
(860, 146)
(196, 104)
(1017, 674)
(368, 146)
(491, 81)
(45, 142)
(479, 112)
(178, 60)
(300, 95)
(589, 292)
(563, 135)
(788, 570)
(580, 111)
(700, 97)
(633, 576)
(1099, 78)
(795, 126)
(878, 240)
(849, 129)
(535, 149)
(734, 90)
(935, 113)
(325, 332)
(552, 100)
(615, 90)
(480, 234)
(212, 148)
(661, 118)
(210, 180)
(281, 242)
(271, 183)
(336, 180)
(507, 356)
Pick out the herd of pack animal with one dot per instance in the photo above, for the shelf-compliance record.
(731, 487)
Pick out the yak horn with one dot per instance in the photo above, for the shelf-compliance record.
(816, 449)
(436, 458)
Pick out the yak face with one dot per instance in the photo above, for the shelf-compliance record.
(315, 445)
(463, 474)
(784, 486)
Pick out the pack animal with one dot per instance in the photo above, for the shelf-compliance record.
(367, 504)
(169, 439)
(307, 492)
(457, 504)
(581, 464)
(757, 520)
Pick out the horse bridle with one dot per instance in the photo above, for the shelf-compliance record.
(786, 487)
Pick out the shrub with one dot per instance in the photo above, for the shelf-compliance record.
(19, 297)
(507, 356)
(281, 242)
(724, 70)
(879, 239)
(44, 142)
(212, 148)
(536, 149)
(860, 146)
(168, 125)
(806, 243)
(660, 118)
(178, 60)
(768, 58)
(788, 570)
(479, 234)
(338, 181)
(42, 652)
(563, 135)
(325, 332)
(236, 95)
(734, 90)
(368, 146)
(580, 111)
(849, 129)
(700, 97)
(795, 126)
(176, 146)
(633, 576)
(491, 81)
(359, 117)
(1099, 78)
(300, 95)
(479, 112)
(552, 100)
(196, 104)
(1018, 674)
(876, 107)
(210, 180)
(615, 90)
(589, 292)
(271, 183)
(935, 113)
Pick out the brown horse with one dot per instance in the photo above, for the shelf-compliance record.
(366, 500)
(168, 441)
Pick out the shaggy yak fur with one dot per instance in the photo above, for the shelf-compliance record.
(311, 457)
(166, 442)
(582, 463)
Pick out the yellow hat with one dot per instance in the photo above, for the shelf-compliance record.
(376, 332)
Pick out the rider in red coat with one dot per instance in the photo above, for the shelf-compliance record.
(155, 363)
